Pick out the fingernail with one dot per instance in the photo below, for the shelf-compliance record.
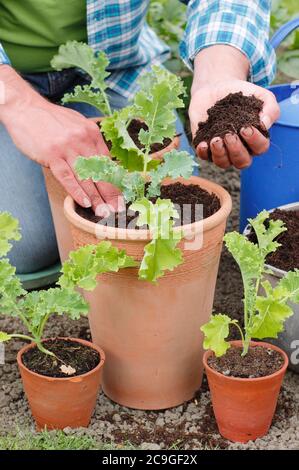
(266, 121)
(217, 143)
(230, 138)
(247, 131)
(102, 210)
(121, 205)
(86, 202)
(203, 145)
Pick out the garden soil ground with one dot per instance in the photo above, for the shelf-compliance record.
(190, 426)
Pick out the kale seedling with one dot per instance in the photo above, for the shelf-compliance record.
(264, 315)
(34, 308)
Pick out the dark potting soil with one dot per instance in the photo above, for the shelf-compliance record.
(258, 362)
(134, 127)
(70, 353)
(286, 257)
(181, 195)
(229, 115)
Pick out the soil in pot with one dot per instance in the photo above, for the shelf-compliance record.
(258, 362)
(286, 257)
(181, 195)
(230, 114)
(133, 129)
(72, 354)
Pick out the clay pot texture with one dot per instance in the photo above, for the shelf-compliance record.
(244, 408)
(57, 195)
(57, 403)
(151, 332)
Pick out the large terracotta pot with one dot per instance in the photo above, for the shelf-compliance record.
(57, 195)
(151, 333)
(62, 402)
(244, 408)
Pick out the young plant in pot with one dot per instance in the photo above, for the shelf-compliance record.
(279, 263)
(168, 90)
(144, 325)
(245, 376)
(61, 376)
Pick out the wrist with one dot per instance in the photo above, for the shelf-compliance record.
(217, 63)
(16, 93)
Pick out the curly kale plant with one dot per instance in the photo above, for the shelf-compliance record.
(35, 308)
(264, 315)
(80, 55)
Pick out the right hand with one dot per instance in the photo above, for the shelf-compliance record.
(54, 137)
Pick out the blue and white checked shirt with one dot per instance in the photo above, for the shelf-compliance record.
(119, 28)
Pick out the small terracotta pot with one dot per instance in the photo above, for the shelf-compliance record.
(57, 195)
(151, 333)
(244, 408)
(57, 403)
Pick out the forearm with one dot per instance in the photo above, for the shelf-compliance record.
(16, 93)
(218, 63)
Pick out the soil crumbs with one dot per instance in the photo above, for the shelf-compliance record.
(192, 202)
(79, 357)
(258, 362)
(190, 426)
(286, 257)
(229, 115)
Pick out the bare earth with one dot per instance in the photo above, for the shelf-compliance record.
(191, 426)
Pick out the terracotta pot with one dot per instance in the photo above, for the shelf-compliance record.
(151, 333)
(244, 408)
(62, 402)
(57, 195)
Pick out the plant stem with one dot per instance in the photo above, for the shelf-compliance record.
(106, 101)
(22, 337)
(246, 343)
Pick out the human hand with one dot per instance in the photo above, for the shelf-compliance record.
(205, 92)
(54, 137)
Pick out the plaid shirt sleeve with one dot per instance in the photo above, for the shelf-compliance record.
(240, 23)
(3, 57)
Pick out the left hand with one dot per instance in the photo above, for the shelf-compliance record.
(230, 150)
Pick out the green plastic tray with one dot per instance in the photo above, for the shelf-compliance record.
(42, 278)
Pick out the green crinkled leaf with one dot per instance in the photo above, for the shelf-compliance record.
(86, 263)
(155, 104)
(161, 254)
(38, 305)
(176, 164)
(4, 336)
(269, 320)
(10, 289)
(102, 168)
(80, 55)
(215, 333)
(267, 235)
(288, 286)
(87, 94)
(123, 148)
(9, 230)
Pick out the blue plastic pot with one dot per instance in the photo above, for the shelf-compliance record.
(273, 178)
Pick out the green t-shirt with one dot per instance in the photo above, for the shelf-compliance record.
(32, 30)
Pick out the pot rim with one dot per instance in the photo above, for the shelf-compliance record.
(279, 273)
(62, 379)
(101, 231)
(280, 371)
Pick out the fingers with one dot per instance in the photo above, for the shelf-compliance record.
(64, 174)
(237, 153)
(202, 150)
(255, 140)
(219, 153)
(271, 110)
(112, 196)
